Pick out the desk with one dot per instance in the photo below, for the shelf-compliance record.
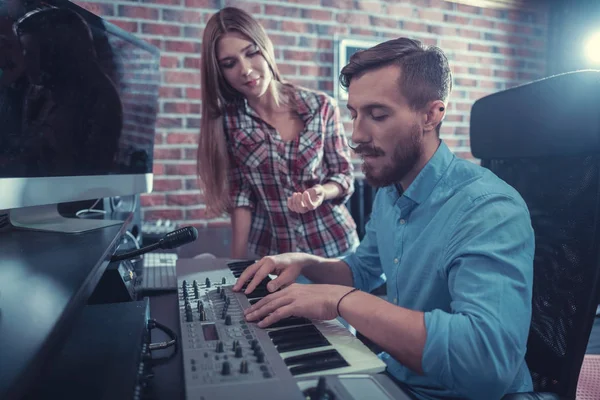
(45, 280)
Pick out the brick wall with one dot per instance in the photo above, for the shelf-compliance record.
(489, 50)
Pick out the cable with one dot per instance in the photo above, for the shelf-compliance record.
(90, 210)
(162, 345)
(135, 241)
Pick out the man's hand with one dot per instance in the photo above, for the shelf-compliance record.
(287, 267)
(308, 200)
(309, 301)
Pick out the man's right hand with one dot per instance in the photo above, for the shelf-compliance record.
(287, 267)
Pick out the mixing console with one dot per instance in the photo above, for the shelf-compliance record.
(224, 356)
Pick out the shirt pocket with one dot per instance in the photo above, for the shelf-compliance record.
(308, 163)
(251, 149)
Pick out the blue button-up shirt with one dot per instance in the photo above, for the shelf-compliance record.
(457, 245)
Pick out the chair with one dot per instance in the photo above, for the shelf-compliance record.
(543, 138)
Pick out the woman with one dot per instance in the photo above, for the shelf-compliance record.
(271, 154)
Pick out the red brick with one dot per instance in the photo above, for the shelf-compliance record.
(252, 8)
(158, 169)
(465, 82)
(181, 108)
(457, 19)
(272, 10)
(188, 199)
(161, 29)
(193, 93)
(153, 215)
(167, 154)
(292, 26)
(315, 70)
(319, 15)
(453, 118)
(129, 26)
(151, 200)
(166, 185)
(181, 77)
(287, 69)
(190, 154)
(178, 46)
(295, 55)
(158, 43)
(370, 7)
(181, 169)
(169, 62)
(202, 3)
(505, 74)
(182, 138)
(98, 8)
(192, 32)
(338, 4)
(483, 23)
(381, 22)
(164, 122)
(192, 184)
(353, 19)
(477, 95)
(414, 26)
(401, 10)
(480, 47)
(430, 16)
(195, 214)
(192, 62)
(184, 17)
(447, 44)
(326, 86)
(138, 12)
(468, 9)
(282, 40)
(170, 92)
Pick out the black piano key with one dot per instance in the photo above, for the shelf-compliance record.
(305, 369)
(297, 331)
(314, 358)
(308, 343)
(254, 301)
(289, 321)
(237, 267)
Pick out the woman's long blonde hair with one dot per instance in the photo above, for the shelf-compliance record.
(213, 156)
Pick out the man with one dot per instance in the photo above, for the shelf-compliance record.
(454, 241)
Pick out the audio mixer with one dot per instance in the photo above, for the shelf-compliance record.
(223, 356)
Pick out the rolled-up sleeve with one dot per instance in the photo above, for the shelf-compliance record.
(365, 263)
(239, 188)
(337, 154)
(478, 347)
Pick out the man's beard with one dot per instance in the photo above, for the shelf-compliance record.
(404, 158)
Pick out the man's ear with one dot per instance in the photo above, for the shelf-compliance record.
(434, 114)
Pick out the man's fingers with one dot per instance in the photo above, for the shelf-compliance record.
(277, 315)
(247, 274)
(264, 270)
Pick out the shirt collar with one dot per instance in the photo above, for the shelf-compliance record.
(428, 178)
(306, 108)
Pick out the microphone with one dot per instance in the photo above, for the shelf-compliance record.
(170, 241)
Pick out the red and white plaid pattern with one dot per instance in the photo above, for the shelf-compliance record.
(265, 171)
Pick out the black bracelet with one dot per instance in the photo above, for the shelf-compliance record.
(342, 298)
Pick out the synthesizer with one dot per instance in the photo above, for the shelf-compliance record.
(224, 356)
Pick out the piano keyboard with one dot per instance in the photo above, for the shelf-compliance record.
(308, 348)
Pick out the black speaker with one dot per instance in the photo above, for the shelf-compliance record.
(109, 208)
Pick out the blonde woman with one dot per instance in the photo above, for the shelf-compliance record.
(271, 154)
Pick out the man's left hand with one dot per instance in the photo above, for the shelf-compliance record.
(300, 300)
(308, 200)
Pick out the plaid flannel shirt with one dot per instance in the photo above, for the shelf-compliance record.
(265, 171)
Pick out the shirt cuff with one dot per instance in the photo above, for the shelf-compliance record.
(435, 359)
(357, 280)
(346, 184)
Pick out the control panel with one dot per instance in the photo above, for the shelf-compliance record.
(223, 355)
